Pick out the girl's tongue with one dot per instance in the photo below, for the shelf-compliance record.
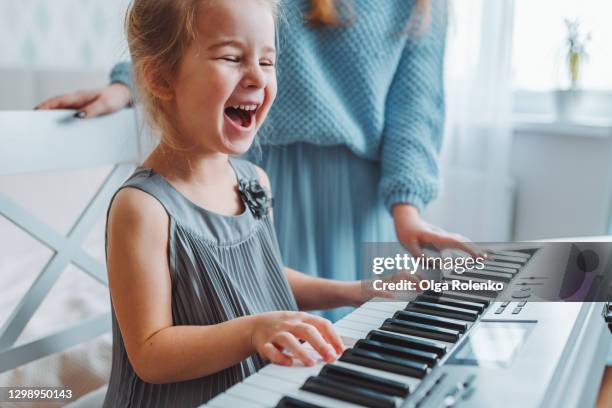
(239, 116)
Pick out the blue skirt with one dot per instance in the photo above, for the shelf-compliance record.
(326, 204)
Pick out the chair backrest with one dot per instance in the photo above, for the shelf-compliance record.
(35, 141)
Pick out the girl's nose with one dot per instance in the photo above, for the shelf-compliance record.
(254, 77)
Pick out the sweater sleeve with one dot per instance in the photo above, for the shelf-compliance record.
(414, 117)
(122, 73)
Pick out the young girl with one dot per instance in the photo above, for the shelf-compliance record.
(200, 297)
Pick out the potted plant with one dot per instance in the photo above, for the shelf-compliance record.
(568, 100)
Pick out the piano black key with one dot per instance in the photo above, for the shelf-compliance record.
(443, 310)
(519, 254)
(433, 320)
(349, 393)
(445, 300)
(384, 362)
(401, 352)
(502, 264)
(467, 296)
(514, 259)
(409, 342)
(420, 330)
(493, 268)
(290, 402)
(365, 380)
(484, 274)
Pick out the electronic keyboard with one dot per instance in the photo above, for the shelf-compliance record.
(449, 349)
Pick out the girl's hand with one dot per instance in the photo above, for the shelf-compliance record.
(92, 103)
(413, 232)
(277, 331)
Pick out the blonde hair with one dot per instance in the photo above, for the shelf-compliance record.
(158, 33)
(325, 13)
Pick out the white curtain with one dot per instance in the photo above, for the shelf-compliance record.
(476, 195)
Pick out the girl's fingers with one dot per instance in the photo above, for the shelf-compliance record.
(275, 355)
(309, 333)
(290, 343)
(326, 328)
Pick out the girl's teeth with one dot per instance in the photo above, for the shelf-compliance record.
(245, 107)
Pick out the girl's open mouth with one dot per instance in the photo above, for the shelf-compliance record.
(241, 115)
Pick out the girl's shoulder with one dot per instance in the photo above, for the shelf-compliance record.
(250, 171)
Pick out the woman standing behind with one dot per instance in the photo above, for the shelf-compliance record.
(351, 144)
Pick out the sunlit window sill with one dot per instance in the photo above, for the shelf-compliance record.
(549, 125)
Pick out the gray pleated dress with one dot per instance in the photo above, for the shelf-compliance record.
(222, 267)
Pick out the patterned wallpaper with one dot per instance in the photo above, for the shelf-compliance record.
(62, 34)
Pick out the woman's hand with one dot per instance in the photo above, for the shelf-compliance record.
(274, 332)
(92, 103)
(413, 232)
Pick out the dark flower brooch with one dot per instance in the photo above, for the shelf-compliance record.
(255, 197)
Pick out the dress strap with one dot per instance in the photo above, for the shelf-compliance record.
(244, 169)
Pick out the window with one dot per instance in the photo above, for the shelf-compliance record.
(539, 40)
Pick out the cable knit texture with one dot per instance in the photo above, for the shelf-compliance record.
(371, 86)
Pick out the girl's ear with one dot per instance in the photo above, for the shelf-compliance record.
(157, 83)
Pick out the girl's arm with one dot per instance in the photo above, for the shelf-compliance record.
(140, 285)
(317, 293)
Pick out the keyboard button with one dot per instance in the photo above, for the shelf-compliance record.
(502, 264)
(365, 380)
(409, 342)
(500, 310)
(433, 320)
(420, 330)
(443, 310)
(517, 310)
(415, 355)
(384, 362)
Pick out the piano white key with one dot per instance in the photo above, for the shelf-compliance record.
(293, 378)
(256, 394)
(385, 306)
(373, 322)
(349, 336)
(227, 400)
(295, 373)
(271, 383)
(357, 324)
(370, 312)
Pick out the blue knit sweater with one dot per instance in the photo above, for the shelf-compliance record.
(370, 86)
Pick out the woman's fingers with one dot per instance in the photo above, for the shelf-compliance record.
(98, 107)
(75, 100)
(326, 328)
(291, 344)
(413, 247)
(276, 356)
(445, 240)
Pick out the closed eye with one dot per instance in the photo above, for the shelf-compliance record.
(230, 59)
